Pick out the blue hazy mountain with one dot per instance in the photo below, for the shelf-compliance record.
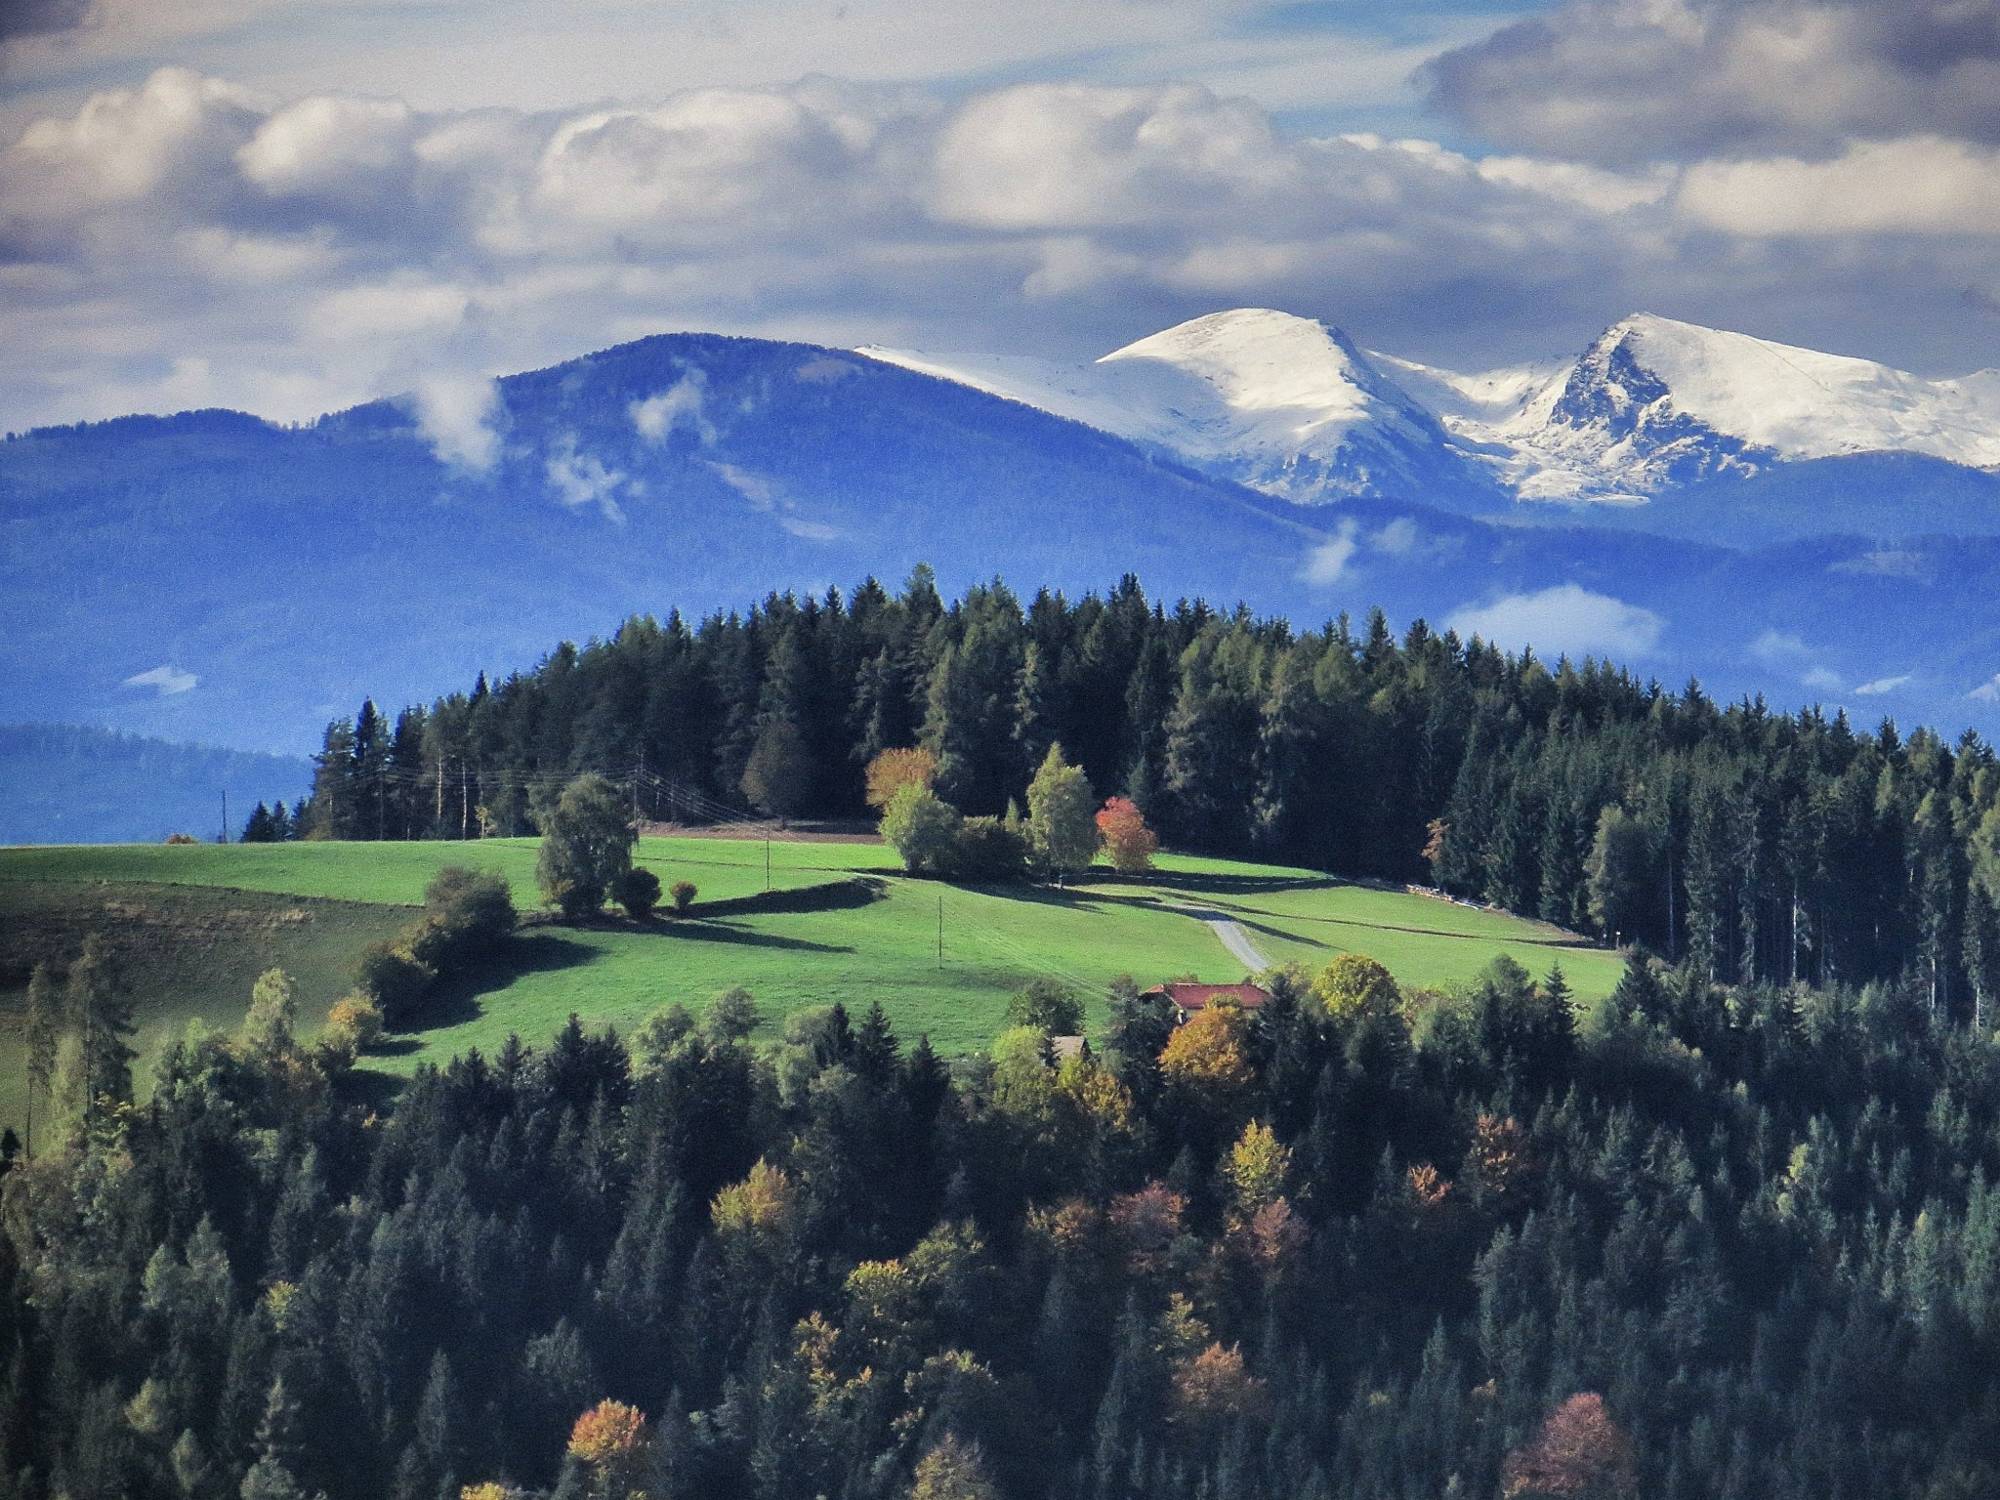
(211, 577)
(71, 784)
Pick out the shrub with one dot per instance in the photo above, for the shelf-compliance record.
(429, 940)
(182, 838)
(683, 892)
(355, 1019)
(394, 978)
(988, 850)
(475, 906)
(638, 891)
(923, 828)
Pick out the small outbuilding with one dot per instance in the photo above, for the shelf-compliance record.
(1186, 999)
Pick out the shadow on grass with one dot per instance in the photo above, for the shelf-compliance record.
(833, 895)
(1048, 895)
(1281, 933)
(716, 930)
(456, 998)
(1240, 885)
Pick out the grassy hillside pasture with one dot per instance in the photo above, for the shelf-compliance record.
(843, 925)
(396, 874)
(188, 952)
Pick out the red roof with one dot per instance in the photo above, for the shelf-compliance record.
(1199, 996)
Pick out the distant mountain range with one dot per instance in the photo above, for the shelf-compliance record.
(1688, 502)
(1294, 408)
(70, 784)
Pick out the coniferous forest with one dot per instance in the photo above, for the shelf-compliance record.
(1762, 847)
(1694, 1243)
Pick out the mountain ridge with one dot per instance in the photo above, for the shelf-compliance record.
(246, 582)
(1652, 404)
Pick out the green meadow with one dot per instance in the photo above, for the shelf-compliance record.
(798, 923)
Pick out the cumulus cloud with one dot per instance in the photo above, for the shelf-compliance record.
(679, 405)
(166, 680)
(1399, 538)
(1327, 563)
(1566, 620)
(315, 251)
(1779, 648)
(458, 416)
(1632, 80)
(581, 479)
(1919, 185)
(1881, 685)
(1987, 691)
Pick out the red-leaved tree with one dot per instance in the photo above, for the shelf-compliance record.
(1130, 843)
(1580, 1454)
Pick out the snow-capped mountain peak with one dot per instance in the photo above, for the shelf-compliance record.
(1292, 406)
(1255, 359)
(1654, 402)
(1285, 404)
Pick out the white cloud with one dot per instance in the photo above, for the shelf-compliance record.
(1566, 620)
(1399, 538)
(582, 479)
(1821, 680)
(1573, 182)
(458, 416)
(1987, 691)
(1327, 563)
(1779, 647)
(1053, 156)
(1638, 79)
(681, 404)
(329, 145)
(1918, 185)
(320, 250)
(764, 495)
(166, 680)
(1880, 686)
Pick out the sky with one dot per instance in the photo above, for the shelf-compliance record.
(288, 206)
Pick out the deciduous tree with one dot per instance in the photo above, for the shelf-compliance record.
(1127, 839)
(1062, 831)
(586, 845)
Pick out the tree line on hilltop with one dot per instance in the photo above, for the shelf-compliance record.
(1755, 845)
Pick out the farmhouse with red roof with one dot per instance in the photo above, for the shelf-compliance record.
(1189, 998)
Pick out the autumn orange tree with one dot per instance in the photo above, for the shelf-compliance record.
(1579, 1454)
(1208, 1055)
(611, 1442)
(892, 770)
(1127, 839)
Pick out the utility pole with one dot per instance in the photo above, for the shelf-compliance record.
(225, 818)
(437, 817)
(767, 864)
(464, 799)
(940, 935)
